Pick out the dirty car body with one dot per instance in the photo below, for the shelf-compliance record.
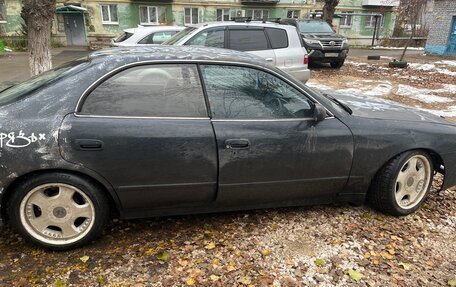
(201, 157)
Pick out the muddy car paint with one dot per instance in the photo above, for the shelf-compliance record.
(342, 152)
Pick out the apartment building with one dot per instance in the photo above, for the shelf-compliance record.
(80, 22)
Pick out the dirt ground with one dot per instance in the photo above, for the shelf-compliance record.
(337, 245)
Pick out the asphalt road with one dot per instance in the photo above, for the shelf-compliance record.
(14, 66)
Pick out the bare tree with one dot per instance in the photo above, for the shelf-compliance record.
(411, 11)
(38, 16)
(328, 10)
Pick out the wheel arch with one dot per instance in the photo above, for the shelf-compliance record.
(113, 201)
(437, 161)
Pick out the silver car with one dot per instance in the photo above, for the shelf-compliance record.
(278, 44)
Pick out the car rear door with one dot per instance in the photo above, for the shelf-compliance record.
(270, 148)
(146, 130)
(287, 46)
(251, 39)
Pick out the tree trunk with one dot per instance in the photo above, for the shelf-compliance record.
(328, 10)
(38, 16)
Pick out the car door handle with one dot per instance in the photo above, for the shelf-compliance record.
(88, 144)
(237, 144)
(269, 59)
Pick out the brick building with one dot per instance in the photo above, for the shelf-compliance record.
(442, 30)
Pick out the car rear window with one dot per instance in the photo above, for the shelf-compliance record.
(149, 91)
(182, 34)
(123, 37)
(248, 40)
(22, 89)
(278, 38)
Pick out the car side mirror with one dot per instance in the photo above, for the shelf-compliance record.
(319, 113)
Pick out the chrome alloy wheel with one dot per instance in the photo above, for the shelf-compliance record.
(413, 181)
(57, 213)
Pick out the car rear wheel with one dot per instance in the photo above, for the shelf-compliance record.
(58, 211)
(337, 64)
(402, 185)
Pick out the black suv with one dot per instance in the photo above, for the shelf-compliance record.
(322, 43)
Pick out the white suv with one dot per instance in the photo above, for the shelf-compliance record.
(143, 36)
(279, 44)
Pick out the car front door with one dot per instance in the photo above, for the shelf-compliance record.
(146, 130)
(270, 148)
(251, 39)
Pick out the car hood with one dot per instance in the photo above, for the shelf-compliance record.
(322, 36)
(377, 108)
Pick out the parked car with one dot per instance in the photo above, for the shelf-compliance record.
(321, 41)
(146, 35)
(169, 130)
(278, 44)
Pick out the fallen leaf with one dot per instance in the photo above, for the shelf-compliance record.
(244, 280)
(163, 256)
(376, 261)
(190, 282)
(210, 246)
(405, 266)
(183, 263)
(452, 283)
(60, 283)
(320, 262)
(214, 277)
(386, 255)
(355, 275)
(265, 252)
(84, 258)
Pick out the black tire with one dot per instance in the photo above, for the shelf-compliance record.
(382, 191)
(98, 203)
(337, 64)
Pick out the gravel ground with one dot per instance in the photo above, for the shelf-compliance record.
(336, 245)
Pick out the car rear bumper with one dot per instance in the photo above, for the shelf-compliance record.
(299, 73)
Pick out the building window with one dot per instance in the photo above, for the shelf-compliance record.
(2, 12)
(347, 20)
(223, 14)
(191, 16)
(109, 14)
(293, 14)
(370, 21)
(257, 14)
(148, 15)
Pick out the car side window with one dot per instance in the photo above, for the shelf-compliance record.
(149, 91)
(248, 40)
(278, 38)
(157, 38)
(244, 93)
(209, 38)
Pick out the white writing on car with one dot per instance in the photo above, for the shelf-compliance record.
(20, 140)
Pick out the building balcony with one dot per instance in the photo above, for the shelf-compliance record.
(387, 3)
(260, 2)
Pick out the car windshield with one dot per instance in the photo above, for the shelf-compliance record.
(15, 92)
(174, 39)
(123, 37)
(314, 27)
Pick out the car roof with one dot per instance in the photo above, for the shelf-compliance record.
(175, 53)
(234, 23)
(153, 28)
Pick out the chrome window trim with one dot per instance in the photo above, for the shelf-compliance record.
(269, 120)
(189, 61)
(138, 117)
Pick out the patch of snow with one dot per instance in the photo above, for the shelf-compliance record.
(447, 63)
(420, 66)
(423, 95)
(318, 86)
(397, 48)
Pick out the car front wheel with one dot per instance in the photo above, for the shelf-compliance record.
(58, 211)
(337, 64)
(403, 184)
